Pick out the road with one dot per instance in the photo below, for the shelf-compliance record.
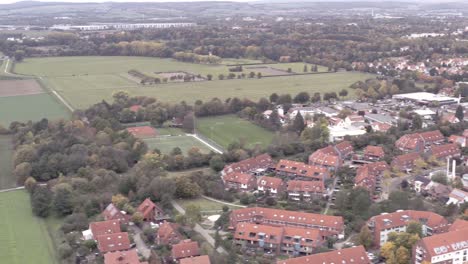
(140, 244)
(329, 201)
(199, 229)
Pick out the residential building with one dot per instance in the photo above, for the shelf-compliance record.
(267, 216)
(384, 224)
(149, 210)
(254, 165)
(370, 175)
(278, 239)
(239, 181)
(460, 140)
(294, 169)
(459, 224)
(113, 242)
(185, 249)
(420, 183)
(353, 255)
(123, 257)
(168, 234)
(305, 190)
(196, 260)
(373, 153)
(445, 151)
(438, 191)
(417, 141)
(101, 228)
(331, 157)
(405, 162)
(113, 213)
(457, 197)
(380, 127)
(272, 185)
(450, 247)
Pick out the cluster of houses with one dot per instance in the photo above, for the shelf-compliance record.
(116, 247)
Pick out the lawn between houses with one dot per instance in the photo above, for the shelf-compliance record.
(24, 238)
(83, 81)
(227, 129)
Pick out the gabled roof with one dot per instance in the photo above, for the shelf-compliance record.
(459, 195)
(270, 182)
(111, 212)
(142, 131)
(123, 257)
(238, 177)
(344, 148)
(185, 249)
(196, 260)
(113, 242)
(403, 217)
(459, 224)
(445, 243)
(104, 227)
(146, 208)
(354, 255)
(405, 158)
(260, 161)
(376, 151)
(306, 186)
(167, 231)
(272, 234)
(445, 150)
(301, 169)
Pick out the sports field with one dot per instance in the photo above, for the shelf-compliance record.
(167, 144)
(23, 237)
(226, 129)
(7, 180)
(83, 81)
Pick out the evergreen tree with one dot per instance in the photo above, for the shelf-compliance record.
(298, 124)
(40, 201)
(459, 113)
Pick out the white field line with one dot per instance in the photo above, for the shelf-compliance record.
(67, 105)
(206, 143)
(12, 189)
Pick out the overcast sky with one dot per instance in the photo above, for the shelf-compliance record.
(85, 1)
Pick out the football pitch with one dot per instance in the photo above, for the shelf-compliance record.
(167, 143)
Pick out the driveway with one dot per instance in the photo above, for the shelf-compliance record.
(141, 247)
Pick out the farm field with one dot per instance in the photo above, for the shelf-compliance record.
(166, 144)
(23, 237)
(83, 81)
(226, 129)
(39, 106)
(7, 180)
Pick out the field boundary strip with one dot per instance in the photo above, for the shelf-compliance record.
(210, 143)
(56, 94)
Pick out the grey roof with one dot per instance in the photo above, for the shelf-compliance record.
(381, 118)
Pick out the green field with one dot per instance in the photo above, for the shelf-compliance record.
(83, 81)
(226, 129)
(23, 237)
(205, 204)
(7, 180)
(185, 143)
(30, 107)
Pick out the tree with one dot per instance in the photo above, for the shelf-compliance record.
(365, 237)
(274, 98)
(186, 188)
(63, 199)
(440, 177)
(137, 218)
(402, 255)
(19, 55)
(305, 68)
(193, 214)
(217, 163)
(259, 75)
(316, 98)
(298, 123)
(387, 250)
(302, 97)
(414, 228)
(221, 76)
(417, 122)
(209, 77)
(459, 113)
(30, 184)
(188, 124)
(40, 201)
(343, 93)
(119, 201)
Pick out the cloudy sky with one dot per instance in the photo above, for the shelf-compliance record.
(84, 1)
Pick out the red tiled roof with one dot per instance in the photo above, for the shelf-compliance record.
(270, 182)
(196, 260)
(167, 233)
(405, 159)
(185, 249)
(142, 131)
(272, 234)
(354, 255)
(460, 140)
(306, 186)
(238, 177)
(104, 227)
(244, 166)
(113, 213)
(430, 137)
(135, 108)
(465, 133)
(344, 148)
(446, 150)
(375, 151)
(445, 243)
(299, 218)
(301, 169)
(331, 156)
(458, 195)
(459, 224)
(122, 257)
(366, 175)
(113, 242)
(146, 208)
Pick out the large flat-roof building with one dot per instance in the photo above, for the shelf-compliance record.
(426, 98)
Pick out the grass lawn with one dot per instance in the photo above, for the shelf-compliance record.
(166, 144)
(30, 107)
(84, 81)
(7, 180)
(228, 128)
(23, 237)
(205, 204)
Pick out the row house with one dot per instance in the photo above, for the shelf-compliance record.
(416, 142)
(450, 247)
(441, 152)
(352, 255)
(111, 212)
(370, 175)
(239, 181)
(185, 249)
(330, 225)
(168, 234)
(254, 165)
(123, 257)
(101, 228)
(331, 157)
(205, 259)
(405, 162)
(305, 190)
(373, 153)
(150, 211)
(459, 140)
(384, 224)
(278, 239)
(294, 169)
(113, 242)
(271, 185)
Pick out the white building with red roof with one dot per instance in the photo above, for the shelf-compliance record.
(457, 197)
(450, 247)
(272, 185)
(123, 257)
(239, 181)
(185, 249)
(113, 242)
(254, 165)
(353, 255)
(331, 157)
(305, 190)
(295, 169)
(101, 228)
